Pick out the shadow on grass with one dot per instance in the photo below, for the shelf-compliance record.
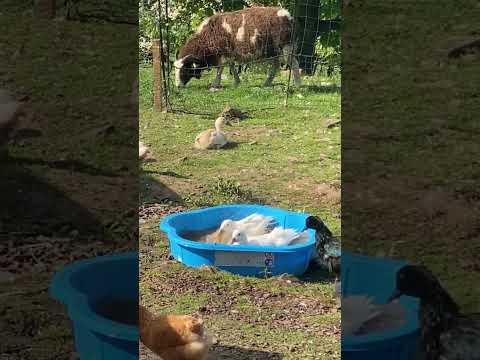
(72, 165)
(153, 191)
(317, 274)
(31, 206)
(166, 173)
(231, 145)
(233, 352)
(328, 89)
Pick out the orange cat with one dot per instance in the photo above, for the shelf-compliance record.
(173, 337)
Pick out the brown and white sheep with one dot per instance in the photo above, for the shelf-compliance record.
(251, 34)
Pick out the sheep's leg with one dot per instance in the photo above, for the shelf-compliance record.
(296, 71)
(218, 78)
(275, 65)
(234, 72)
(292, 61)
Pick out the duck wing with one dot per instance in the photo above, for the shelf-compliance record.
(260, 228)
(462, 342)
(253, 218)
(248, 218)
(356, 311)
(255, 224)
(279, 237)
(302, 238)
(202, 141)
(218, 139)
(286, 237)
(333, 249)
(391, 316)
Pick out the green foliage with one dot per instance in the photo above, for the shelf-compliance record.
(148, 27)
(328, 50)
(273, 158)
(182, 18)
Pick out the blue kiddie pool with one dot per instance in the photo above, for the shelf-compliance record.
(240, 259)
(101, 297)
(362, 275)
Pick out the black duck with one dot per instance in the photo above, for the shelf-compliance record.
(328, 247)
(446, 333)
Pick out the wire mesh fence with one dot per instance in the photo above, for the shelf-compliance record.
(232, 53)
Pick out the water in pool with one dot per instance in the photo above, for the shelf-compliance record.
(121, 311)
(199, 236)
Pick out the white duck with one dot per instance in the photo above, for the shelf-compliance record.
(212, 138)
(255, 224)
(277, 237)
(361, 316)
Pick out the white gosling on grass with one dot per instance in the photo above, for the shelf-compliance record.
(212, 138)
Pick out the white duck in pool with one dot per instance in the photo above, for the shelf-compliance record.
(277, 237)
(252, 225)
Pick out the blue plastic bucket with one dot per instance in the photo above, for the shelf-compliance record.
(92, 288)
(375, 277)
(240, 259)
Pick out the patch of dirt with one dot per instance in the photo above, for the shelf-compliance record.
(23, 255)
(149, 218)
(331, 123)
(147, 211)
(245, 304)
(328, 193)
(180, 186)
(251, 134)
(278, 307)
(157, 192)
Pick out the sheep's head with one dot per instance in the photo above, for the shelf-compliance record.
(187, 68)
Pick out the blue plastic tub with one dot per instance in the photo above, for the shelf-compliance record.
(101, 297)
(362, 275)
(241, 259)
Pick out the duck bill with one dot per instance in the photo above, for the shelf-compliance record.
(395, 295)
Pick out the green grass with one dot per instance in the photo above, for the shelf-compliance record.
(399, 83)
(74, 78)
(65, 76)
(281, 156)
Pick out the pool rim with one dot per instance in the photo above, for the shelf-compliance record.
(172, 234)
(78, 306)
(384, 339)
